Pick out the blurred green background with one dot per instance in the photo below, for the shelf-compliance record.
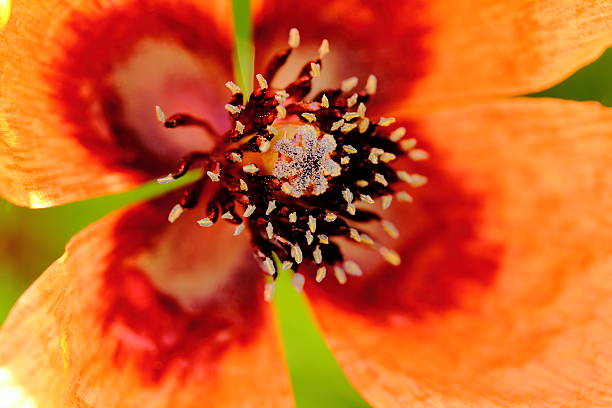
(31, 239)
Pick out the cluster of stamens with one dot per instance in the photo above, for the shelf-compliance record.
(300, 173)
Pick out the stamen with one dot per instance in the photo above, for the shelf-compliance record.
(408, 144)
(386, 201)
(365, 239)
(371, 85)
(309, 116)
(323, 239)
(418, 155)
(379, 178)
(159, 113)
(386, 121)
(269, 265)
(351, 209)
(361, 110)
(364, 124)
(366, 198)
(350, 102)
(205, 222)
(292, 217)
(297, 281)
(403, 196)
(287, 265)
(390, 256)
(175, 213)
(324, 49)
(234, 89)
(270, 230)
(249, 211)
(309, 237)
(315, 70)
(263, 84)
(352, 268)
(321, 272)
(294, 38)
(397, 134)
(227, 216)
(336, 125)
(239, 229)
(271, 207)
(347, 195)
(166, 179)
(317, 255)
(239, 127)
(340, 274)
(250, 168)
(349, 149)
(282, 111)
(269, 291)
(348, 84)
(354, 234)
(296, 253)
(390, 229)
(213, 176)
(324, 101)
(312, 223)
(234, 110)
(243, 185)
(330, 216)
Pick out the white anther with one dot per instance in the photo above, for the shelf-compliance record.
(379, 178)
(269, 266)
(167, 179)
(345, 160)
(317, 255)
(418, 154)
(234, 110)
(297, 281)
(336, 125)
(282, 111)
(386, 157)
(294, 38)
(236, 157)
(239, 127)
(390, 229)
(365, 239)
(371, 85)
(324, 101)
(361, 110)
(234, 89)
(408, 144)
(386, 121)
(347, 195)
(361, 183)
(321, 272)
(350, 116)
(386, 201)
(364, 124)
(309, 117)
(159, 114)
(175, 213)
(271, 207)
(351, 209)
(323, 239)
(270, 230)
(354, 234)
(264, 146)
(213, 176)
(404, 197)
(366, 198)
(243, 185)
(352, 268)
(227, 216)
(390, 256)
(239, 229)
(263, 84)
(269, 291)
(347, 127)
(205, 222)
(348, 84)
(312, 223)
(296, 253)
(323, 49)
(404, 176)
(340, 274)
(397, 134)
(330, 216)
(315, 70)
(418, 180)
(350, 102)
(272, 130)
(292, 217)
(349, 149)
(281, 96)
(309, 237)
(287, 265)
(249, 211)
(250, 168)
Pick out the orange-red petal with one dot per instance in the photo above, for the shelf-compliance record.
(503, 298)
(80, 81)
(440, 51)
(139, 312)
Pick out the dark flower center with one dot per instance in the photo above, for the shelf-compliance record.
(299, 173)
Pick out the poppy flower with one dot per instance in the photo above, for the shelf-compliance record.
(502, 296)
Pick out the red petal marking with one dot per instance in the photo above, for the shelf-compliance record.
(118, 65)
(504, 297)
(94, 330)
(379, 37)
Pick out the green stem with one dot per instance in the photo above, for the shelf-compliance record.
(243, 46)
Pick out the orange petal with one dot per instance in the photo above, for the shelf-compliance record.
(437, 51)
(503, 298)
(139, 312)
(80, 82)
